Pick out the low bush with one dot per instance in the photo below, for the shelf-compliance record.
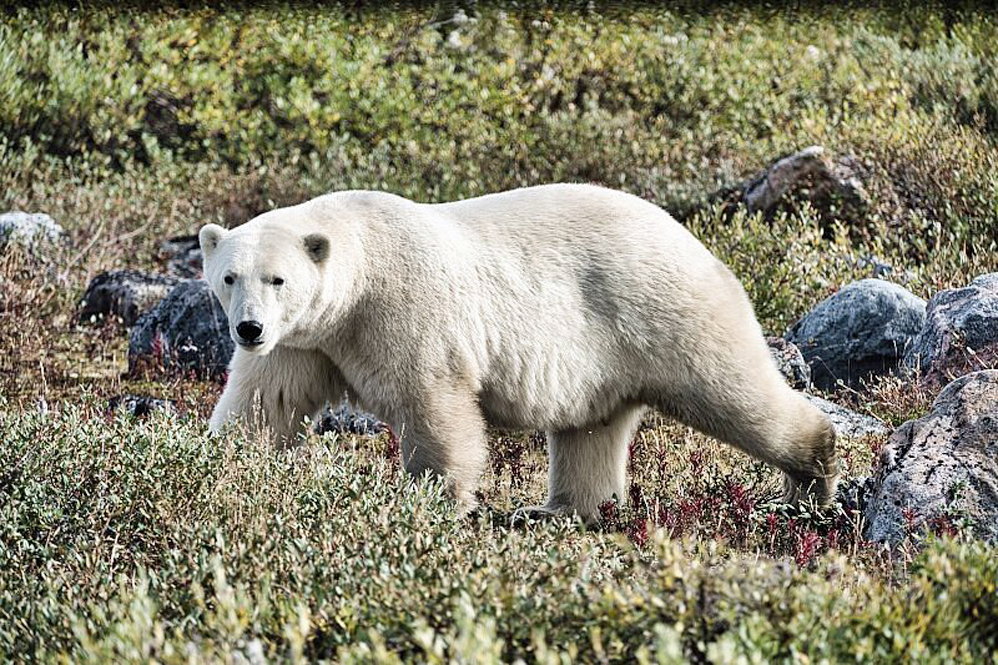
(148, 539)
(124, 539)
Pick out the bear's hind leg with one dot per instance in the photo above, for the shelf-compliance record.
(588, 466)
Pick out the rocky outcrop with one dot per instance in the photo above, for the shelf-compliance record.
(187, 331)
(858, 332)
(124, 294)
(960, 334)
(848, 423)
(941, 471)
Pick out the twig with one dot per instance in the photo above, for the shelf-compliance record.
(86, 248)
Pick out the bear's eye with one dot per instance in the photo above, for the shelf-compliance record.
(277, 281)
(229, 279)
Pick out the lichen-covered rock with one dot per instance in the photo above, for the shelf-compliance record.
(183, 256)
(343, 419)
(858, 332)
(847, 422)
(125, 294)
(943, 468)
(790, 361)
(809, 173)
(187, 331)
(960, 334)
(33, 232)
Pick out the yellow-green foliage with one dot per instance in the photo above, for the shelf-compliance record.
(124, 539)
(669, 105)
(132, 540)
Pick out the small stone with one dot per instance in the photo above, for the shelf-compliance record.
(33, 232)
(790, 361)
(343, 419)
(140, 406)
(184, 257)
(880, 269)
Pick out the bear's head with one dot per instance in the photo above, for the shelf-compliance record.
(267, 277)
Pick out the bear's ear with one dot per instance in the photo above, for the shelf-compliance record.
(316, 246)
(209, 237)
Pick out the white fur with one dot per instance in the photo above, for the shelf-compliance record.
(568, 308)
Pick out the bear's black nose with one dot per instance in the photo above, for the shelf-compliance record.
(250, 330)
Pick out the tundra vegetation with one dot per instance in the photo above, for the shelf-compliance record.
(132, 538)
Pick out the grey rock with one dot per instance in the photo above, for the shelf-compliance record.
(853, 494)
(790, 361)
(941, 469)
(141, 405)
(809, 172)
(183, 256)
(863, 330)
(848, 423)
(343, 419)
(960, 334)
(187, 331)
(33, 232)
(126, 294)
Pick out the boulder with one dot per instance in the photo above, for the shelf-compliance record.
(810, 174)
(187, 331)
(849, 424)
(183, 256)
(790, 361)
(863, 330)
(343, 419)
(125, 294)
(941, 471)
(33, 232)
(960, 334)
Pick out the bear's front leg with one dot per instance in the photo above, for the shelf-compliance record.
(444, 435)
(274, 393)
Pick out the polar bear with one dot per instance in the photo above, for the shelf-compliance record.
(568, 308)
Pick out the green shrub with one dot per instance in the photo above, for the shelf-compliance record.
(132, 540)
(129, 540)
